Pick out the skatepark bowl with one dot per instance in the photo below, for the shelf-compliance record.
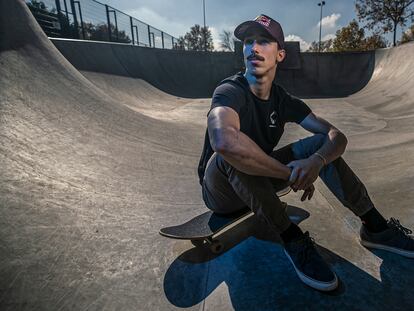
(99, 150)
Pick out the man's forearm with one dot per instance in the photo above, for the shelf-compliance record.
(334, 146)
(246, 156)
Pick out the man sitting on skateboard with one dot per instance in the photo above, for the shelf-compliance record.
(239, 167)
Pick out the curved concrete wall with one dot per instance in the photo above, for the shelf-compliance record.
(329, 74)
(196, 74)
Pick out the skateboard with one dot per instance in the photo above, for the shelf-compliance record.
(205, 228)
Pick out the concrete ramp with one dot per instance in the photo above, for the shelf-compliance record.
(91, 169)
(390, 92)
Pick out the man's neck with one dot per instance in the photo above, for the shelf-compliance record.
(260, 85)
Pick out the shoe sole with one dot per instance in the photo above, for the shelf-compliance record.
(387, 248)
(319, 285)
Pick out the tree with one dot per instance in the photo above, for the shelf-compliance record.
(349, 38)
(352, 38)
(36, 5)
(197, 39)
(100, 33)
(385, 15)
(207, 39)
(408, 35)
(227, 41)
(326, 46)
(180, 44)
(376, 41)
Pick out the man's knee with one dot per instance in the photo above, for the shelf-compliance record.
(305, 147)
(225, 167)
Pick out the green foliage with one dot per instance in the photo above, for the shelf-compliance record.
(180, 44)
(197, 39)
(33, 4)
(326, 46)
(100, 33)
(408, 35)
(350, 38)
(376, 41)
(384, 16)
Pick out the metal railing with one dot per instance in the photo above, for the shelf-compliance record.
(92, 20)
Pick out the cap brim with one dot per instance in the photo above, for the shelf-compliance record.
(248, 28)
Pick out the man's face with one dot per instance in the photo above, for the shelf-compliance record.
(261, 54)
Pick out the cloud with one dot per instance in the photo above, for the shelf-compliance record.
(216, 37)
(152, 18)
(330, 20)
(328, 37)
(304, 46)
(175, 29)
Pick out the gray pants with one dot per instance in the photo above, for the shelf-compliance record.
(226, 189)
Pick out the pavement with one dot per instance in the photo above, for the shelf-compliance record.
(91, 169)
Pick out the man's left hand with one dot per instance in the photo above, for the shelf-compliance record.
(307, 171)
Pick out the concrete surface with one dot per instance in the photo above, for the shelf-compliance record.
(88, 176)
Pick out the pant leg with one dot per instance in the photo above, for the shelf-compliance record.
(226, 189)
(337, 176)
(218, 194)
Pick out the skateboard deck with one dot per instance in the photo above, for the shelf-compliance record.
(204, 225)
(202, 228)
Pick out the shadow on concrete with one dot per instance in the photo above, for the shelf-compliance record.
(258, 276)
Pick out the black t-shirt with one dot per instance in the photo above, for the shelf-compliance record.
(262, 120)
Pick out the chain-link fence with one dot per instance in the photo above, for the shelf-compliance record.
(92, 20)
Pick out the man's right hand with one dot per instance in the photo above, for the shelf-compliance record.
(308, 192)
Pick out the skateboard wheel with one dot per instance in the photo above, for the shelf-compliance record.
(197, 243)
(216, 247)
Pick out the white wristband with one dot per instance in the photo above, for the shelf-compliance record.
(322, 157)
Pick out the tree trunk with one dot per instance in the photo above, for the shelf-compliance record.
(395, 34)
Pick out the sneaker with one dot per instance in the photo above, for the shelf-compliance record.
(309, 265)
(395, 239)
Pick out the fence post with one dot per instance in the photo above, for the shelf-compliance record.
(59, 15)
(81, 18)
(116, 26)
(75, 20)
(109, 22)
(149, 35)
(136, 32)
(162, 38)
(66, 12)
(132, 30)
(58, 9)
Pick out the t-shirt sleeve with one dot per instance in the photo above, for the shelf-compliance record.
(295, 109)
(228, 95)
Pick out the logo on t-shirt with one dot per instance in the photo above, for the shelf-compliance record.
(273, 118)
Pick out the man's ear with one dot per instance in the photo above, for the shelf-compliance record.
(281, 54)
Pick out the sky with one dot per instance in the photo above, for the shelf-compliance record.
(299, 18)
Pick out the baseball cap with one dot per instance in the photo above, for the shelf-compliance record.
(260, 23)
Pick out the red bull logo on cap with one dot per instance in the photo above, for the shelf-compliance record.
(264, 20)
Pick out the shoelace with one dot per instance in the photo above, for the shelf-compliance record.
(395, 223)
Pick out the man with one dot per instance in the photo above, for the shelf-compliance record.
(239, 167)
